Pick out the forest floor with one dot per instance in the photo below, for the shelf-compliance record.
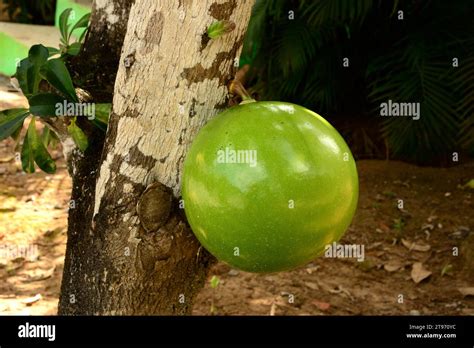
(409, 266)
(418, 259)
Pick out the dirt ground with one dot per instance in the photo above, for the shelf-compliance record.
(419, 258)
(436, 217)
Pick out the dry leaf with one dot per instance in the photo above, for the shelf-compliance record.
(384, 227)
(273, 309)
(324, 306)
(342, 290)
(415, 246)
(467, 291)
(427, 227)
(30, 300)
(262, 301)
(418, 272)
(312, 286)
(392, 266)
(312, 268)
(39, 275)
(374, 245)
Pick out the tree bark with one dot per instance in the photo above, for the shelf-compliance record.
(95, 68)
(171, 80)
(107, 30)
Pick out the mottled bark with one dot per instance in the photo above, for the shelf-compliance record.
(169, 83)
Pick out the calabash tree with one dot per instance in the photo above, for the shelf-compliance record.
(130, 250)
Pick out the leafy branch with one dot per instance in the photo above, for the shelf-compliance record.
(46, 82)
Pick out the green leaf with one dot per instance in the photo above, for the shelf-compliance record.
(22, 76)
(11, 120)
(45, 136)
(40, 153)
(83, 35)
(83, 22)
(219, 28)
(45, 104)
(63, 26)
(49, 138)
(214, 281)
(56, 73)
(52, 51)
(16, 133)
(447, 269)
(74, 49)
(102, 112)
(78, 136)
(28, 72)
(27, 160)
(469, 184)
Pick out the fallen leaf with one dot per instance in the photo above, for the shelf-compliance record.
(262, 301)
(324, 306)
(419, 273)
(312, 268)
(342, 290)
(273, 309)
(384, 227)
(392, 266)
(365, 265)
(6, 159)
(312, 286)
(427, 227)
(467, 311)
(233, 272)
(469, 184)
(30, 300)
(51, 234)
(40, 275)
(467, 291)
(374, 245)
(415, 246)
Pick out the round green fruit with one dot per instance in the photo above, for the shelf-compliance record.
(267, 185)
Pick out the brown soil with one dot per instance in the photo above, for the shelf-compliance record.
(437, 217)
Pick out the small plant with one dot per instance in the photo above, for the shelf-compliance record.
(389, 194)
(447, 270)
(47, 64)
(66, 47)
(214, 283)
(398, 225)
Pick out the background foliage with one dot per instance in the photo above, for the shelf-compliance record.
(407, 60)
(31, 11)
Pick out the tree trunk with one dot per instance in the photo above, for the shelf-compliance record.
(170, 81)
(96, 67)
(107, 29)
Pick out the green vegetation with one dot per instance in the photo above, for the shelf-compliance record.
(47, 64)
(296, 50)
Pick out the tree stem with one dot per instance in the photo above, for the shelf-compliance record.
(237, 88)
